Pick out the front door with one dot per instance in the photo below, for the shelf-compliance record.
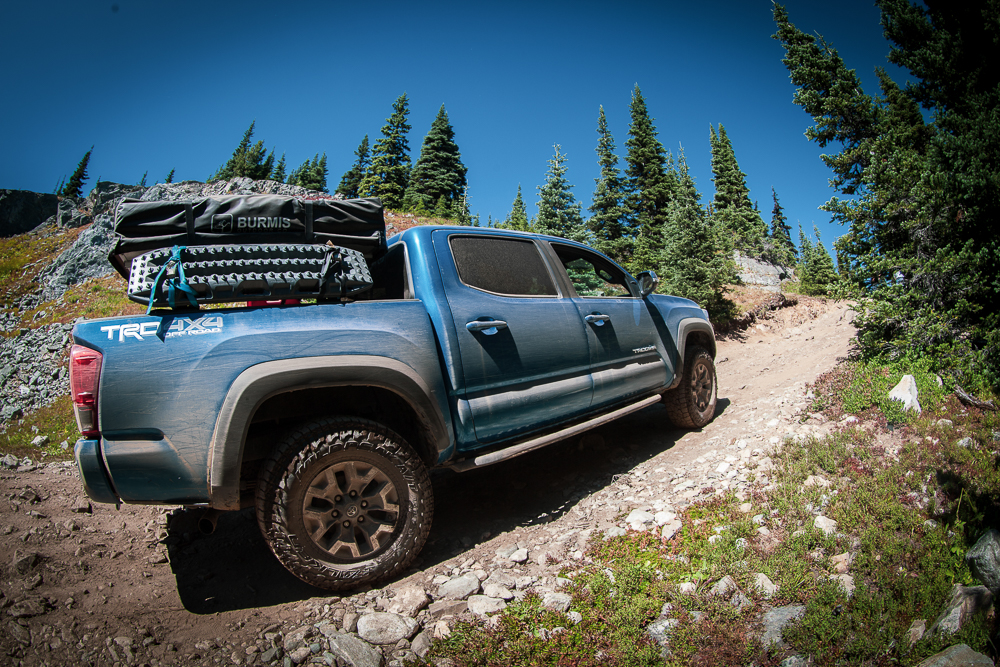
(525, 354)
(625, 349)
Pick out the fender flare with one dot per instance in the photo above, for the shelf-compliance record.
(265, 380)
(685, 328)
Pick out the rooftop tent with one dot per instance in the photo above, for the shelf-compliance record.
(142, 226)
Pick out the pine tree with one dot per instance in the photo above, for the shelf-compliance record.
(74, 188)
(517, 219)
(732, 206)
(170, 177)
(390, 168)
(142, 181)
(923, 248)
(607, 221)
(816, 273)
(694, 266)
(558, 210)
(783, 250)
(311, 174)
(249, 161)
(650, 186)
(439, 171)
(59, 185)
(278, 174)
(351, 180)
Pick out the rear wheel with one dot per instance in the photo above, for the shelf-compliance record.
(692, 404)
(343, 502)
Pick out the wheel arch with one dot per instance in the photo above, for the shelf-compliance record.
(256, 386)
(692, 331)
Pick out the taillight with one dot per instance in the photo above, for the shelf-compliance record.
(84, 377)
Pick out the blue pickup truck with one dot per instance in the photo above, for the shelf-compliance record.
(473, 346)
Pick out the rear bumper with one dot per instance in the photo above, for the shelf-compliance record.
(95, 478)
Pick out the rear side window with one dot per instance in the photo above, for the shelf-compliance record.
(500, 265)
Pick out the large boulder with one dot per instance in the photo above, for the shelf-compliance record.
(959, 655)
(762, 274)
(984, 560)
(22, 210)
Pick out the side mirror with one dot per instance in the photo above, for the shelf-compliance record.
(648, 280)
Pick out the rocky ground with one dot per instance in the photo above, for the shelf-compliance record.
(95, 584)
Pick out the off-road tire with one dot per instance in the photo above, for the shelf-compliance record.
(692, 403)
(311, 455)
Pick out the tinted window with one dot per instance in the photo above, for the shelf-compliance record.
(591, 274)
(504, 266)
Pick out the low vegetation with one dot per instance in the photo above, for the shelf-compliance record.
(910, 495)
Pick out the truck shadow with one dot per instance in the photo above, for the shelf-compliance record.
(234, 569)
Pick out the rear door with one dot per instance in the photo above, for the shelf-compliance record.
(625, 349)
(524, 348)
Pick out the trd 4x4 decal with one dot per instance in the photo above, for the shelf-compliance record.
(182, 326)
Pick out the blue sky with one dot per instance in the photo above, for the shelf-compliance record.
(156, 85)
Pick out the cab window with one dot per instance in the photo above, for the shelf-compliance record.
(592, 275)
(512, 267)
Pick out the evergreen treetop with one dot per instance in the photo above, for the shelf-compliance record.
(350, 182)
(170, 177)
(74, 187)
(390, 168)
(248, 160)
(439, 171)
(558, 210)
(783, 249)
(311, 174)
(732, 206)
(517, 219)
(651, 182)
(278, 174)
(607, 221)
(694, 265)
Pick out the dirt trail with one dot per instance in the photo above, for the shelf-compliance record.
(138, 585)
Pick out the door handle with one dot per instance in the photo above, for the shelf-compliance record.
(488, 327)
(597, 320)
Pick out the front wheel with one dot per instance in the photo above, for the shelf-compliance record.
(692, 404)
(344, 502)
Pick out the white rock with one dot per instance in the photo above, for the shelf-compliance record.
(813, 480)
(498, 591)
(764, 584)
(519, 556)
(409, 601)
(614, 531)
(639, 517)
(459, 588)
(384, 628)
(687, 587)
(827, 525)
(670, 529)
(906, 393)
(846, 582)
(481, 605)
(661, 518)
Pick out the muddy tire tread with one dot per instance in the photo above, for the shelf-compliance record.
(679, 401)
(293, 456)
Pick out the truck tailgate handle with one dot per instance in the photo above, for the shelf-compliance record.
(488, 327)
(597, 319)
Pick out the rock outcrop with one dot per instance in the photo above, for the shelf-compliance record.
(762, 274)
(21, 210)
